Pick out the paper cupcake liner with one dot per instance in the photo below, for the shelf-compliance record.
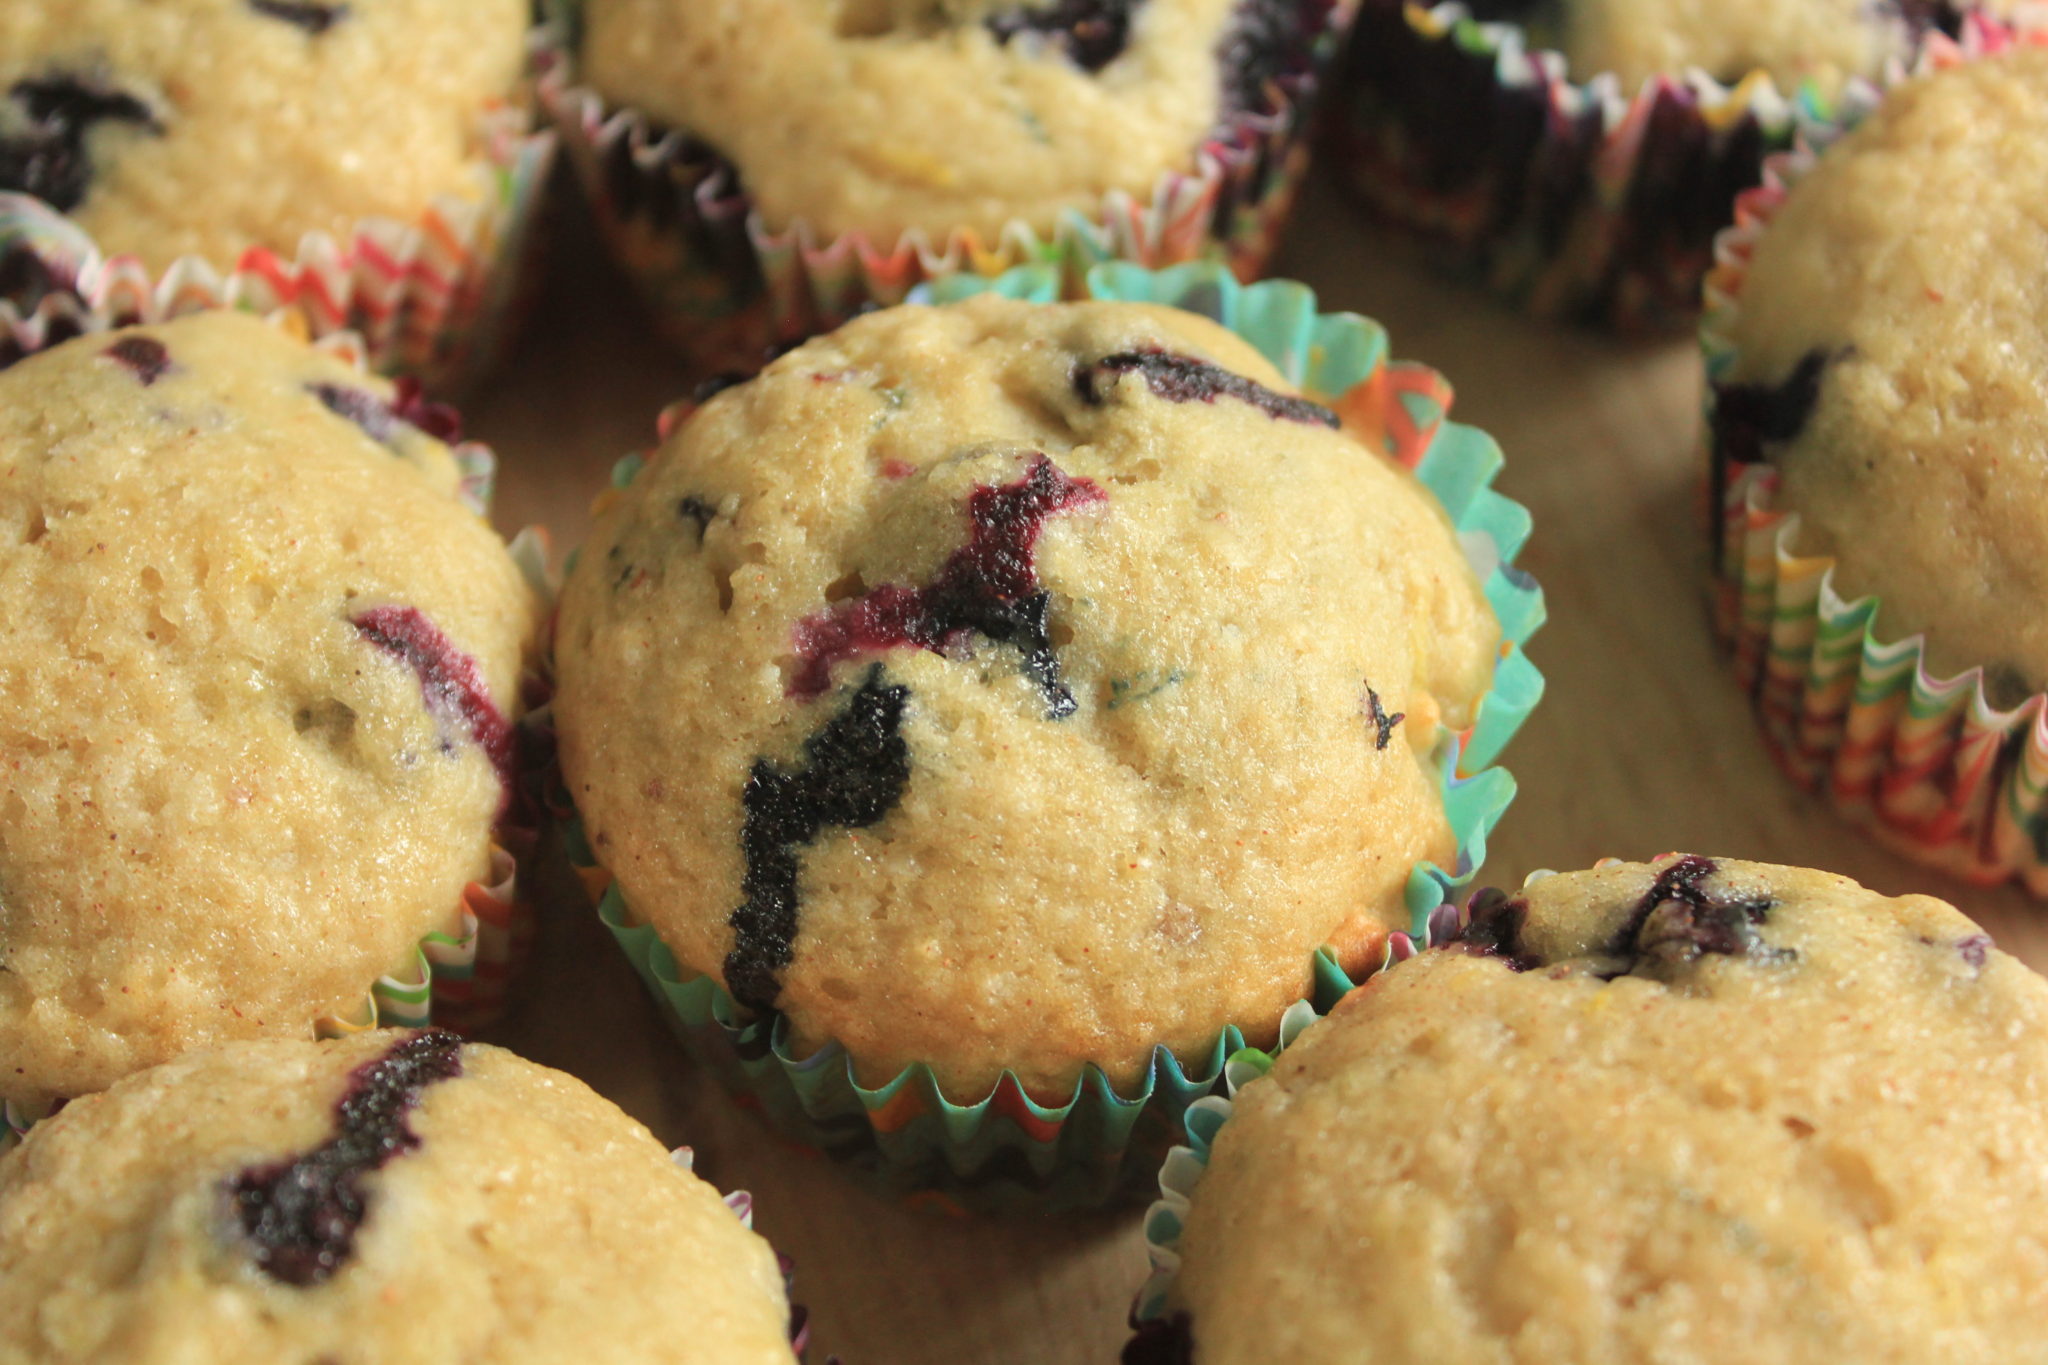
(1928, 763)
(1182, 1171)
(431, 298)
(458, 977)
(1573, 199)
(1008, 1150)
(742, 1205)
(727, 288)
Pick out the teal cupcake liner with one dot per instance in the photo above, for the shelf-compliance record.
(1007, 1151)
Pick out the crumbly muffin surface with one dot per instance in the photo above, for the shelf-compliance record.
(257, 665)
(1893, 363)
(1794, 40)
(390, 1199)
(885, 115)
(1017, 685)
(210, 126)
(1690, 1111)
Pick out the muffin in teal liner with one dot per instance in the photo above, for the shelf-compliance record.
(1695, 1109)
(1054, 819)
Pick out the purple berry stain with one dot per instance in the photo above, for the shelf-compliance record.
(144, 356)
(1092, 33)
(315, 19)
(1186, 379)
(46, 157)
(988, 588)
(1679, 921)
(382, 421)
(1493, 928)
(854, 770)
(301, 1215)
(449, 679)
(1974, 950)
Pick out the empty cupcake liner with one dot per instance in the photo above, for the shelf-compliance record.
(726, 287)
(458, 976)
(1008, 1150)
(1574, 199)
(1928, 763)
(431, 297)
(1159, 1338)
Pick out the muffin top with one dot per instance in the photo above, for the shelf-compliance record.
(211, 126)
(388, 1198)
(1892, 362)
(1794, 40)
(880, 116)
(1017, 685)
(1686, 1111)
(257, 669)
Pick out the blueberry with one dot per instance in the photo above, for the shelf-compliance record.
(1749, 417)
(1185, 379)
(854, 771)
(1382, 722)
(1680, 920)
(47, 158)
(316, 19)
(301, 1215)
(988, 588)
(145, 356)
(1092, 33)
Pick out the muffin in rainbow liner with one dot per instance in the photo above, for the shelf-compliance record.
(1037, 1142)
(216, 154)
(729, 280)
(1695, 1108)
(1940, 750)
(212, 661)
(1573, 197)
(374, 1198)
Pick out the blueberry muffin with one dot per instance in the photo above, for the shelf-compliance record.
(1013, 685)
(212, 126)
(881, 116)
(1892, 364)
(391, 1197)
(1793, 40)
(1693, 1110)
(258, 669)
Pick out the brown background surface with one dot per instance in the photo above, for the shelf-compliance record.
(1643, 745)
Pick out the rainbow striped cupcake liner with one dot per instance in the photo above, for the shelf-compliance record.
(460, 976)
(433, 298)
(1008, 1150)
(727, 288)
(1573, 199)
(1929, 764)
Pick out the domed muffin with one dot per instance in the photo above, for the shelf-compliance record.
(212, 126)
(879, 116)
(1793, 40)
(1890, 360)
(1006, 685)
(258, 668)
(1691, 1110)
(383, 1198)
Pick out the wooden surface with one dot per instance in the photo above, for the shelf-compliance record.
(1643, 745)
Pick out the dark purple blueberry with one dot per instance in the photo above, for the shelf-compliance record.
(1268, 44)
(988, 588)
(301, 1215)
(316, 19)
(854, 770)
(698, 510)
(1092, 33)
(1493, 928)
(449, 679)
(47, 158)
(1974, 950)
(1162, 1341)
(1679, 921)
(1382, 722)
(381, 421)
(1185, 379)
(1749, 417)
(145, 356)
